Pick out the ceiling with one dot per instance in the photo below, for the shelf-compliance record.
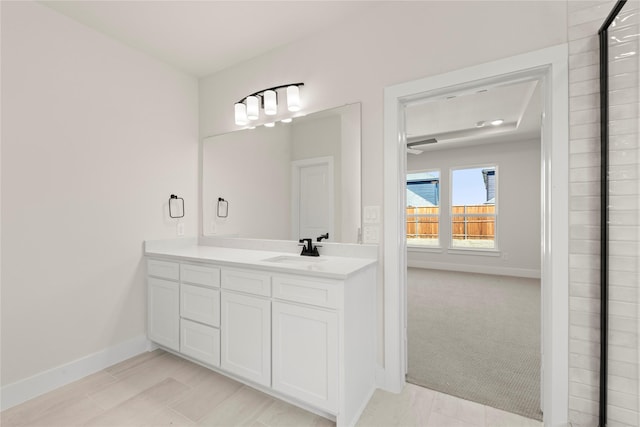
(202, 37)
(464, 119)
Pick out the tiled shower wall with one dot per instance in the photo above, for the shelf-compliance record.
(585, 18)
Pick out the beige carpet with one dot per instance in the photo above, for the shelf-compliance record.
(477, 337)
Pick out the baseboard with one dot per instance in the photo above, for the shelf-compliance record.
(363, 405)
(381, 378)
(23, 390)
(482, 269)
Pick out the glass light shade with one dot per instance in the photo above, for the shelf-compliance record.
(269, 125)
(287, 120)
(270, 103)
(293, 98)
(241, 114)
(253, 108)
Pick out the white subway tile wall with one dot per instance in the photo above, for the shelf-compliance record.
(585, 18)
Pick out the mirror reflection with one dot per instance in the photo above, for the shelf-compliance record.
(292, 181)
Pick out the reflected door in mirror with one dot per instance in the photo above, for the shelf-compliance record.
(313, 197)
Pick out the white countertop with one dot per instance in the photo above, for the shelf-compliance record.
(333, 267)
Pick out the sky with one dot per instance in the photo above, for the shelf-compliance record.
(468, 185)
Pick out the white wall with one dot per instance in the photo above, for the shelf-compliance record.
(518, 206)
(95, 137)
(391, 43)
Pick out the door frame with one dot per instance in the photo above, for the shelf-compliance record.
(550, 66)
(296, 165)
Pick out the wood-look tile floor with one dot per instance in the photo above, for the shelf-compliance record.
(160, 389)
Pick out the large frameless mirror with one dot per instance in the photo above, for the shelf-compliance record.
(291, 181)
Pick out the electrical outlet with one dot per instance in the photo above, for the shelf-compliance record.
(180, 228)
(372, 214)
(371, 234)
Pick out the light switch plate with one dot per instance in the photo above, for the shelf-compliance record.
(372, 214)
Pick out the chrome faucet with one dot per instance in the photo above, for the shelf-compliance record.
(308, 249)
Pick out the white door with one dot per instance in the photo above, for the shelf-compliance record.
(305, 354)
(163, 312)
(312, 198)
(246, 336)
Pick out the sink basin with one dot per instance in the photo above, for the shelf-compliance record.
(294, 259)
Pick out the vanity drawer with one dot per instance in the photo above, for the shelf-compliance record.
(200, 275)
(200, 342)
(246, 281)
(298, 289)
(164, 269)
(200, 304)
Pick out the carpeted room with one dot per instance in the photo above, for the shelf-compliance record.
(473, 282)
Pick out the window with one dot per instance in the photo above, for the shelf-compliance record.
(423, 209)
(473, 208)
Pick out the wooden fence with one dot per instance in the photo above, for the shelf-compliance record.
(465, 227)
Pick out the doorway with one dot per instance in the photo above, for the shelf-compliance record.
(550, 67)
(473, 244)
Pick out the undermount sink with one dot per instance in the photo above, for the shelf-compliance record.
(294, 259)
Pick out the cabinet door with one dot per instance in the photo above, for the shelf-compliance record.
(305, 354)
(246, 336)
(200, 342)
(163, 312)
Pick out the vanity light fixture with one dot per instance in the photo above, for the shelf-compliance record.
(253, 110)
(241, 114)
(270, 102)
(269, 125)
(287, 120)
(248, 108)
(497, 122)
(293, 98)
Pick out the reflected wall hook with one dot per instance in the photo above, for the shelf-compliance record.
(176, 206)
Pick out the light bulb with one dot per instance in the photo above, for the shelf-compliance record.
(253, 109)
(270, 103)
(497, 122)
(270, 124)
(241, 114)
(293, 98)
(287, 120)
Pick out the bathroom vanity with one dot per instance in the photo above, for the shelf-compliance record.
(299, 328)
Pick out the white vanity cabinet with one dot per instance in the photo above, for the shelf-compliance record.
(303, 336)
(163, 299)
